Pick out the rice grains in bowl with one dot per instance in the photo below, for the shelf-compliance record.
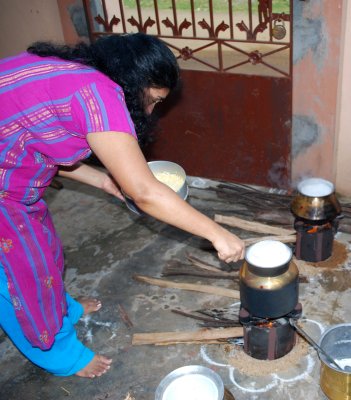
(169, 173)
(171, 179)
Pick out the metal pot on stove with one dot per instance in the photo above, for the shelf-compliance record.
(316, 200)
(268, 280)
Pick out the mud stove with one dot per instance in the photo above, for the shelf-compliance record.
(317, 214)
(269, 298)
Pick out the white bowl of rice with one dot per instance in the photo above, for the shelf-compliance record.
(169, 173)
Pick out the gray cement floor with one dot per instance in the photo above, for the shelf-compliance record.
(105, 246)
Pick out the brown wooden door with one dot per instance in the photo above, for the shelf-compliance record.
(230, 127)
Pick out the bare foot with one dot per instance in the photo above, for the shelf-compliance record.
(97, 366)
(90, 305)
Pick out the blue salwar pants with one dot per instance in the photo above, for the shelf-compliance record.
(67, 356)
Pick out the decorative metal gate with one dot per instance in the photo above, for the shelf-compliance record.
(235, 57)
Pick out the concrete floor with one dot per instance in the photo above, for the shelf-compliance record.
(105, 246)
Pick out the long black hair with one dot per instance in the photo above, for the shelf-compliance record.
(134, 61)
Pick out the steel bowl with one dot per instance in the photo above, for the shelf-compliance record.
(313, 204)
(191, 382)
(159, 167)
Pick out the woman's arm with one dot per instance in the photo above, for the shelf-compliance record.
(121, 155)
(91, 176)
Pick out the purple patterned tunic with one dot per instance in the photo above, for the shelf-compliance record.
(47, 108)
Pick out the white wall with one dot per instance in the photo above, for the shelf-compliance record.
(343, 150)
(23, 22)
(317, 47)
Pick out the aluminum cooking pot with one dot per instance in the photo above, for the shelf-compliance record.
(316, 200)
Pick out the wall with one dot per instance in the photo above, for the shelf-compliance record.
(343, 161)
(73, 20)
(316, 57)
(25, 21)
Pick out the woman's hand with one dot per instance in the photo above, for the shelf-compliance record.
(89, 175)
(229, 247)
(109, 185)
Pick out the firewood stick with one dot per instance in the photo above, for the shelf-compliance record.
(208, 320)
(200, 264)
(124, 316)
(213, 341)
(160, 338)
(247, 241)
(252, 226)
(215, 290)
(281, 238)
(192, 270)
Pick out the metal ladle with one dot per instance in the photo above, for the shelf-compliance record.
(330, 359)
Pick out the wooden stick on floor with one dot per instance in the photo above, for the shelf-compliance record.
(281, 238)
(215, 290)
(202, 335)
(252, 226)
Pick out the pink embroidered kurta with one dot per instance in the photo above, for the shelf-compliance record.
(47, 108)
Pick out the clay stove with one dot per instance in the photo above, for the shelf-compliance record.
(269, 338)
(314, 241)
(317, 213)
(269, 297)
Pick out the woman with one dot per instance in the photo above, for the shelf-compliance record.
(59, 104)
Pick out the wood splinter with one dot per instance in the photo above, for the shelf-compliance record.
(124, 316)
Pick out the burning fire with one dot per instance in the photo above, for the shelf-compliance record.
(318, 228)
(266, 324)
